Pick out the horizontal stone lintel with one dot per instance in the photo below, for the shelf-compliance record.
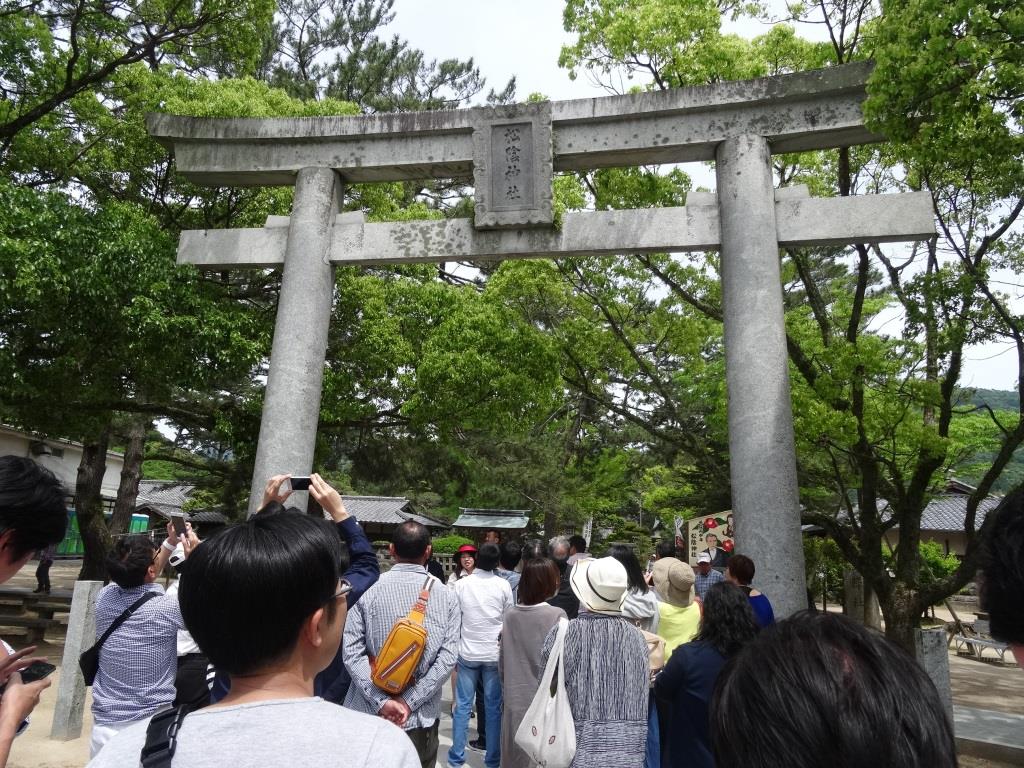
(798, 112)
(801, 221)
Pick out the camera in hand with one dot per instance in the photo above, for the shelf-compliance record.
(299, 483)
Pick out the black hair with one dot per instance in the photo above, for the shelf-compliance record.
(578, 543)
(1002, 584)
(742, 567)
(634, 572)
(129, 559)
(818, 689)
(411, 540)
(665, 549)
(487, 557)
(277, 508)
(533, 549)
(31, 505)
(251, 587)
(510, 555)
(727, 622)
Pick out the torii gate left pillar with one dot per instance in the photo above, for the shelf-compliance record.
(291, 402)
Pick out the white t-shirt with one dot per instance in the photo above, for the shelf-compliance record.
(483, 597)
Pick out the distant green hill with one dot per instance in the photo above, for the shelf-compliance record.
(996, 399)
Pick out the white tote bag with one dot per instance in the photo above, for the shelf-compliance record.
(548, 733)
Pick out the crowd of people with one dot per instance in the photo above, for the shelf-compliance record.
(271, 645)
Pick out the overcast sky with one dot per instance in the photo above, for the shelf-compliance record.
(523, 38)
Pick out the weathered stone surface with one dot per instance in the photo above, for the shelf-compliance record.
(933, 655)
(800, 221)
(291, 405)
(81, 635)
(762, 453)
(512, 172)
(802, 111)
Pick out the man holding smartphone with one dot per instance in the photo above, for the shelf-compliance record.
(362, 570)
(32, 516)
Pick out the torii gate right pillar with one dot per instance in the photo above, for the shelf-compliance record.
(762, 451)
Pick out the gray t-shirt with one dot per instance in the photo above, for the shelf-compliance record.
(273, 734)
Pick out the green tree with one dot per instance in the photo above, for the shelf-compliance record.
(874, 411)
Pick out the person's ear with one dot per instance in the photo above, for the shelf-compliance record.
(313, 628)
(430, 552)
(391, 551)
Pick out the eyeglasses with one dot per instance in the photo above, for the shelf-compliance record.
(343, 590)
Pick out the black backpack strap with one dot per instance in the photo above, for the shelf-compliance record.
(124, 616)
(162, 738)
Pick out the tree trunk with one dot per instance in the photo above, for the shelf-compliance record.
(902, 613)
(89, 508)
(131, 474)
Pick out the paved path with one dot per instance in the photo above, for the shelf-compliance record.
(989, 735)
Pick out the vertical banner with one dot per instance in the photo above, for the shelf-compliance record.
(712, 535)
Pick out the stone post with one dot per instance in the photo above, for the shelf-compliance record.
(291, 405)
(67, 713)
(762, 452)
(853, 595)
(933, 655)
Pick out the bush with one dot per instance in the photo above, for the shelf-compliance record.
(448, 545)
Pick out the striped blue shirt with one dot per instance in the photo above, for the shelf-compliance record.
(368, 624)
(139, 660)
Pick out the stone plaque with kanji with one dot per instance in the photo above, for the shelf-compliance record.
(512, 167)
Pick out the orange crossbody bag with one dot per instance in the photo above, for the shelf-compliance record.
(395, 666)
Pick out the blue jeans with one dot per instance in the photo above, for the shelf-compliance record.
(465, 689)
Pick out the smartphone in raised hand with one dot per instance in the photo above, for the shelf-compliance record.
(296, 484)
(178, 521)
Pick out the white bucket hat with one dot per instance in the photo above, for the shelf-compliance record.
(600, 584)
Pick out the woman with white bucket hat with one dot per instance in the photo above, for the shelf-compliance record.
(606, 669)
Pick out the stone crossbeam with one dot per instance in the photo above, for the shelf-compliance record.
(803, 111)
(800, 221)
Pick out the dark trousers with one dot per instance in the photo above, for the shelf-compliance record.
(426, 743)
(43, 574)
(481, 712)
(190, 682)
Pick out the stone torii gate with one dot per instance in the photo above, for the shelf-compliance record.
(511, 153)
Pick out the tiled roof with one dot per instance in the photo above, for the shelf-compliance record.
(514, 519)
(163, 494)
(948, 512)
(386, 510)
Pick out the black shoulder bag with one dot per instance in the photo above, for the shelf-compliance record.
(89, 661)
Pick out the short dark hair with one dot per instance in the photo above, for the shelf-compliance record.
(534, 548)
(578, 543)
(1003, 564)
(129, 560)
(665, 549)
(635, 580)
(539, 581)
(510, 555)
(742, 567)
(727, 622)
(822, 690)
(411, 540)
(250, 587)
(31, 505)
(487, 557)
